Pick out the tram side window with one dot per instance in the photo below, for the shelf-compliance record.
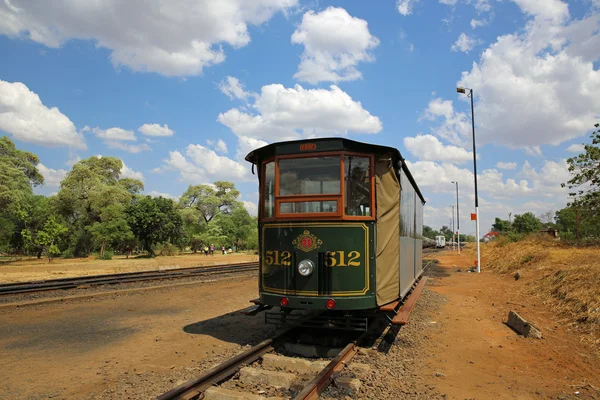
(357, 178)
(269, 202)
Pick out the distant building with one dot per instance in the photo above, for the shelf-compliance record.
(490, 236)
(551, 232)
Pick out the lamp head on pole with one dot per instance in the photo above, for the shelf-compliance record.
(461, 90)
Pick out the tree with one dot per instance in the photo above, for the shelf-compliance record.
(49, 238)
(501, 225)
(447, 232)
(154, 220)
(547, 218)
(236, 226)
(32, 220)
(429, 232)
(18, 173)
(112, 229)
(526, 223)
(210, 200)
(93, 185)
(585, 169)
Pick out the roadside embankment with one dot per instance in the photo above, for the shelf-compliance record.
(567, 279)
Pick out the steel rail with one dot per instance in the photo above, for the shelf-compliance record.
(196, 386)
(129, 277)
(324, 378)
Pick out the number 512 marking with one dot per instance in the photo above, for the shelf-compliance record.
(332, 258)
(339, 259)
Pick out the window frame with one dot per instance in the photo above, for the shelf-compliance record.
(339, 214)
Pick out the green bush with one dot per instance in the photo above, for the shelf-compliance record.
(166, 249)
(108, 255)
(68, 253)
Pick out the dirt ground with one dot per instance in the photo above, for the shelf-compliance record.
(473, 354)
(40, 269)
(137, 345)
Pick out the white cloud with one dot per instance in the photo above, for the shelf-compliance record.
(26, 118)
(234, 89)
(251, 207)
(219, 145)
(534, 151)
(203, 165)
(156, 130)
(576, 148)
(246, 145)
(475, 23)
(293, 113)
(464, 43)
(539, 85)
(173, 38)
(130, 148)
(334, 43)
(554, 10)
(481, 6)
(429, 148)
(52, 177)
(456, 126)
(506, 165)
(127, 172)
(114, 134)
(405, 7)
(155, 193)
(72, 161)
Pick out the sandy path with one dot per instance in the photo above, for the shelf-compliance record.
(480, 357)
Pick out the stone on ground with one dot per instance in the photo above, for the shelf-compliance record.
(523, 327)
(291, 364)
(217, 393)
(360, 369)
(265, 377)
(347, 383)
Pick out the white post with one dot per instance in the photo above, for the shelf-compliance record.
(477, 235)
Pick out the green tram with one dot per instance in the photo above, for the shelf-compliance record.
(340, 225)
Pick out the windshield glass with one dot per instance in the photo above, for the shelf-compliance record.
(311, 175)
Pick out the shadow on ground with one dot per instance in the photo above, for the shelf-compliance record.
(233, 327)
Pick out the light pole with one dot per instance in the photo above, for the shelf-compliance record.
(457, 218)
(453, 245)
(464, 90)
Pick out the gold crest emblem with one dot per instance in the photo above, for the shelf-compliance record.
(307, 242)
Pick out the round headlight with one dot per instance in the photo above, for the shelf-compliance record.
(306, 267)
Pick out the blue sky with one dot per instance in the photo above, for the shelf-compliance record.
(181, 92)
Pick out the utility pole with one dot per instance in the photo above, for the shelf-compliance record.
(464, 91)
(453, 242)
(457, 218)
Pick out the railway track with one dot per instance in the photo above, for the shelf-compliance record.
(203, 386)
(261, 366)
(129, 277)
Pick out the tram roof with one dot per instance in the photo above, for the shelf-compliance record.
(330, 144)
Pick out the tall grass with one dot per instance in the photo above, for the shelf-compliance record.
(566, 277)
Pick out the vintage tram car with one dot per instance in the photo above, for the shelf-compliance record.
(340, 225)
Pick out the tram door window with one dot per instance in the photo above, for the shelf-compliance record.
(357, 181)
(269, 202)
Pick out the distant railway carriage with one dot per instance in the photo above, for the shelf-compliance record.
(340, 225)
(440, 242)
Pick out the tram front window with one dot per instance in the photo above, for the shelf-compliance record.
(310, 175)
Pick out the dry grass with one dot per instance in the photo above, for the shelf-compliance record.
(34, 269)
(565, 278)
